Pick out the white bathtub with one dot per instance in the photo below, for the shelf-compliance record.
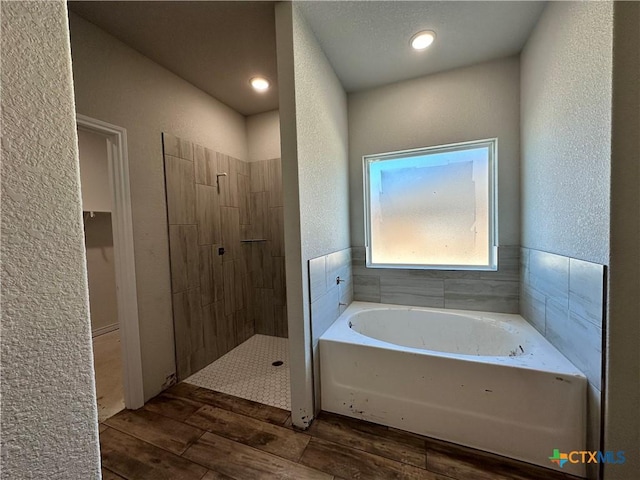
(485, 380)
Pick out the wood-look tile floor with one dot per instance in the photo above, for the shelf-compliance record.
(189, 432)
(107, 364)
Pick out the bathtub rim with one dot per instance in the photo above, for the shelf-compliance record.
(543, 356)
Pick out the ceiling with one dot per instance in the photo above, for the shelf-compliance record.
(367, 42)
(218, 46)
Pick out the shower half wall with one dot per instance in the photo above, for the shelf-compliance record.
(226, 247)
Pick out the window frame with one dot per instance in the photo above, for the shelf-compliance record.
(492, 143)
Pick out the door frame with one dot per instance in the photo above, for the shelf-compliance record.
(125, 272)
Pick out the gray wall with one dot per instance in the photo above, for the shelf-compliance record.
(471, 103)
(94, 172)
(622, 422)
(116, 84)
(96, 197)
(566, 131)
(313, 110)
(101, 272)
(49, 413)
(263, 136)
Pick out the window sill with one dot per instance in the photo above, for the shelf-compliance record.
(464, 268)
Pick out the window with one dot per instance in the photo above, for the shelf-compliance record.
(432, 207)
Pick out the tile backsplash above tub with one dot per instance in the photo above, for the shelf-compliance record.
(328, 297)
(564, 299)
(465, 290)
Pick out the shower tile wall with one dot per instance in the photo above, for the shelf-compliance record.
(215, 299)
(564, 298)
(466, 290)
(266, 228)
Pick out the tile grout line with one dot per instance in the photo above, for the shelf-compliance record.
(426, 456)
(362, 450)
(304, 450)
(252, 448)
(276, 425)
(242, 443)
(164, 415)
(115, 473)
(206, 473)
(118, 429)
(203, 403)
(366, 451)
(286, 420)
(204, 431)
(141, 439)
(149, 444)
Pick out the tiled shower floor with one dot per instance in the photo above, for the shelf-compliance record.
(247, 372)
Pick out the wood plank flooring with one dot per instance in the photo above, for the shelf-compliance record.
(107, 362)
(191, 433)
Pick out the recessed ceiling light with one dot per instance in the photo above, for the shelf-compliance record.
(422, 40)
(260, 84)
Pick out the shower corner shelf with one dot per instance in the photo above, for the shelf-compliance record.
(253, 240)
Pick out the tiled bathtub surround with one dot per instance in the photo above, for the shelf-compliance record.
(466, 290)
(564, 298)
(328, 299)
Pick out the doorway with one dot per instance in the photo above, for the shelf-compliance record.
(110, 265)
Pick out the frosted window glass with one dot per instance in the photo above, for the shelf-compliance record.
(432, 207)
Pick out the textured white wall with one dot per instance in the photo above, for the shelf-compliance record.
(116, 84)
(263, 136)
(472, 103)
(323, 166)
(323, 157)
(49, 417)
(101, 271)
(297, 307)
(566, 131)
(313, 112)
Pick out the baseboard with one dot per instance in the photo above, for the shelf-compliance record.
(102, 330)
